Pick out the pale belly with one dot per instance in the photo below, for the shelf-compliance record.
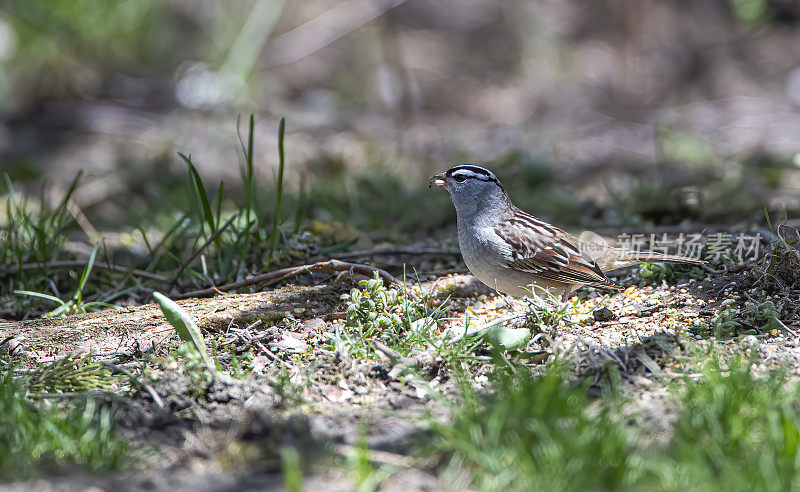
(486, 263)
(517, 284)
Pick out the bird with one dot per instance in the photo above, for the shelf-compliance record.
(518, 254)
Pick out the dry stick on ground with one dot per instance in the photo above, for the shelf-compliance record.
(260, 346)
(786, 328)
(396, 358)
(82, 264)
(736, 269)
(276, 276)
(246, 335)
(378, 456)
(396, 251)
(399, 363)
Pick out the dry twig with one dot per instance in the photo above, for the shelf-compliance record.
(378, 456)
(82, 264)
(400, 363)
(260, 346)
(276, 276)
(396, 251)
(786, 328)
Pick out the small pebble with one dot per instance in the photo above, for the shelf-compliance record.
(604, 314)
(289, 343)
(750, 341)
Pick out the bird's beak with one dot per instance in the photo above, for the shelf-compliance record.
(439, 180)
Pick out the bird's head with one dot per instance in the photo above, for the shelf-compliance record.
(472, 188)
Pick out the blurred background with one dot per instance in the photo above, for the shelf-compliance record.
(605, 113)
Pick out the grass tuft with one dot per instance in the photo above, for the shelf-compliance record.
(71, 373)
(33, 232)
(36, 438)
(387, 314)
(535, 434)
(75, 305)
(736, 429)
(671, 273)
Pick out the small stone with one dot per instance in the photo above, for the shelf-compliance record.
(337, 394)
(749, 341)
(289, 343)
(14, 346)
(314, 324)
(260, 362)
(604, 314)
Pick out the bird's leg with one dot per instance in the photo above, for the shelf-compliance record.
(566, 293)
(507, 301)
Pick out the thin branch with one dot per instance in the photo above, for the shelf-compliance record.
(712, 271)
(393, 355)
(83, 221)
(396, 251)
(378, 456)
(82, 264)
(260, 346)
(786, 328)
(276, 276)
(399, 363)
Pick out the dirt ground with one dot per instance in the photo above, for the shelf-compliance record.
(206, 435)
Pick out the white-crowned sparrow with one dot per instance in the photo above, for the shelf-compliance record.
(512, 251)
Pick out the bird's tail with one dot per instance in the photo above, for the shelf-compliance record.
(629, 258)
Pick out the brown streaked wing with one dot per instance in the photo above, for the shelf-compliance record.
(547, 255)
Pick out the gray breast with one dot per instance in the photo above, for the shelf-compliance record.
(486, 256)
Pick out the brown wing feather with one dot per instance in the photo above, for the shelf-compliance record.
(549, 255)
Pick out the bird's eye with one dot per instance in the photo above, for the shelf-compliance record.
(460, 178)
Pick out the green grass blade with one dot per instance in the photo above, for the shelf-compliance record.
(86, 271)
(185, 327)
(769, 222)
(147, 244)
(292, 472)
(276, 218)
(250, 171)
(219, 205)
(61, 209)
(200, 193)
(94, 305)
(39, 295)
(181, 225)
(63, 309)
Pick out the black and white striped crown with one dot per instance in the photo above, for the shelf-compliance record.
(467, 171)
